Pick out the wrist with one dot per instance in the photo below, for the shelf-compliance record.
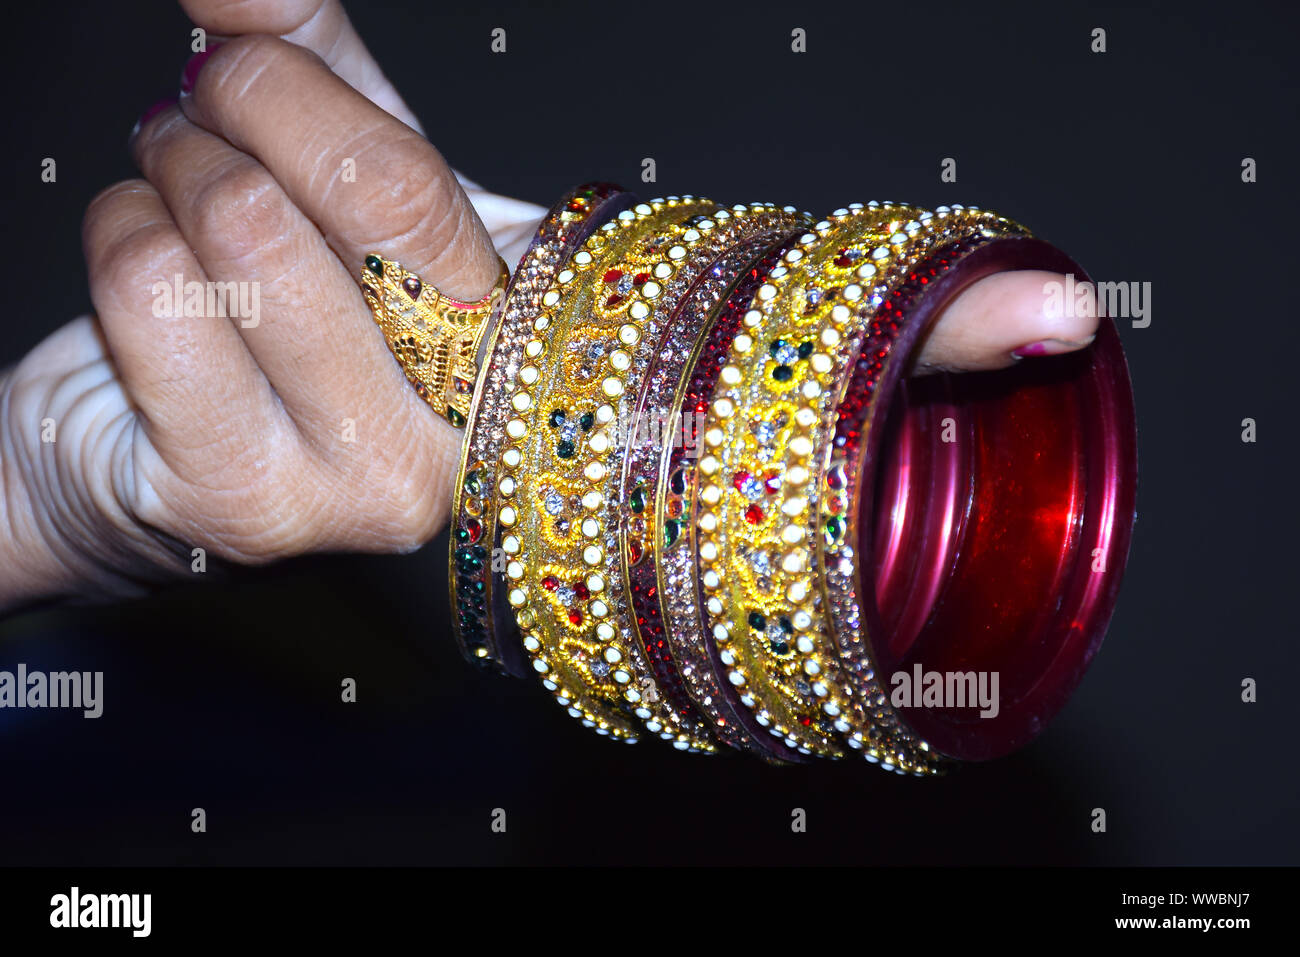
(29, 569)
(65, 526)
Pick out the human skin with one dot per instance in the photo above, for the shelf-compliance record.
(176, 433)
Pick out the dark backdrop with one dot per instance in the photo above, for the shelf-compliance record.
(226, 697)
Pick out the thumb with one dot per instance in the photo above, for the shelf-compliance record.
(1001, 319)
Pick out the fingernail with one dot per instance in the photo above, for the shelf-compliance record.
(149, 114)
(190, 73)
(1050, 347)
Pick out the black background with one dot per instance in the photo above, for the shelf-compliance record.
(226, 696)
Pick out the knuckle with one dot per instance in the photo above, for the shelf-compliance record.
(241, 211)
(131, 264)
(392, 496)
(414, 197)
(110, 210)
(251, 509)
(412, 503)
(245, 65)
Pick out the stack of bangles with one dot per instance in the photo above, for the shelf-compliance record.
(700, 498)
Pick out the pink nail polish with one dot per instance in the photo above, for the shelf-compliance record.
(149, 114)
(190, 73)
(1050, 347)
(1033, 349)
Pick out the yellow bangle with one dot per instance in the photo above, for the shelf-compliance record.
(762, 479)
(561, 560)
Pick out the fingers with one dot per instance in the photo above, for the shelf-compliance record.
(370, 183)
(321, 26)
(999, 316)
(311, 336)
(197, 389)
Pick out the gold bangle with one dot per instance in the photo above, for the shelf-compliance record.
(564, 571)
(481, 613)
(761, 484)
(656, 535)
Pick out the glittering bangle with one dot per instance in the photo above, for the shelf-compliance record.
(565, 575)
(733, 239)
(844, 525)
(760, 481)
(483, 625)
(678, 585)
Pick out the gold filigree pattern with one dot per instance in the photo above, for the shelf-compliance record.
(434, 337)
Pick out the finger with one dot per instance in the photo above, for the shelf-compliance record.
(1000, 319)
(310, 335)
(371, 184)
(197, 389)
(321, 26)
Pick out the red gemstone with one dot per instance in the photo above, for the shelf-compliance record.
(613, 301)
(753, 515)
(550, 583)
(634, 551)
(843, 262)
(473, 529)
(613, 275)
(772, 482)
(739, 479)
(641, 278)
(411, 285)
(575, 617)
(582, 591)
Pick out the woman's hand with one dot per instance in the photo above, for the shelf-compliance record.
(252, 439)
(298, 432)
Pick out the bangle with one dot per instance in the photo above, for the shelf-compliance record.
(737, 238)
(564, 425)
(726, 517)
(962, 564)
(759, 491)
(679, 579)
(481, 617)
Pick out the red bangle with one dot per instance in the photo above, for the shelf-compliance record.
(992, 512)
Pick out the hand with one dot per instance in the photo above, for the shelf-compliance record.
(183, 432)
(177, 433)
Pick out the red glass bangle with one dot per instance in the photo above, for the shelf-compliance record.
(992, 511)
